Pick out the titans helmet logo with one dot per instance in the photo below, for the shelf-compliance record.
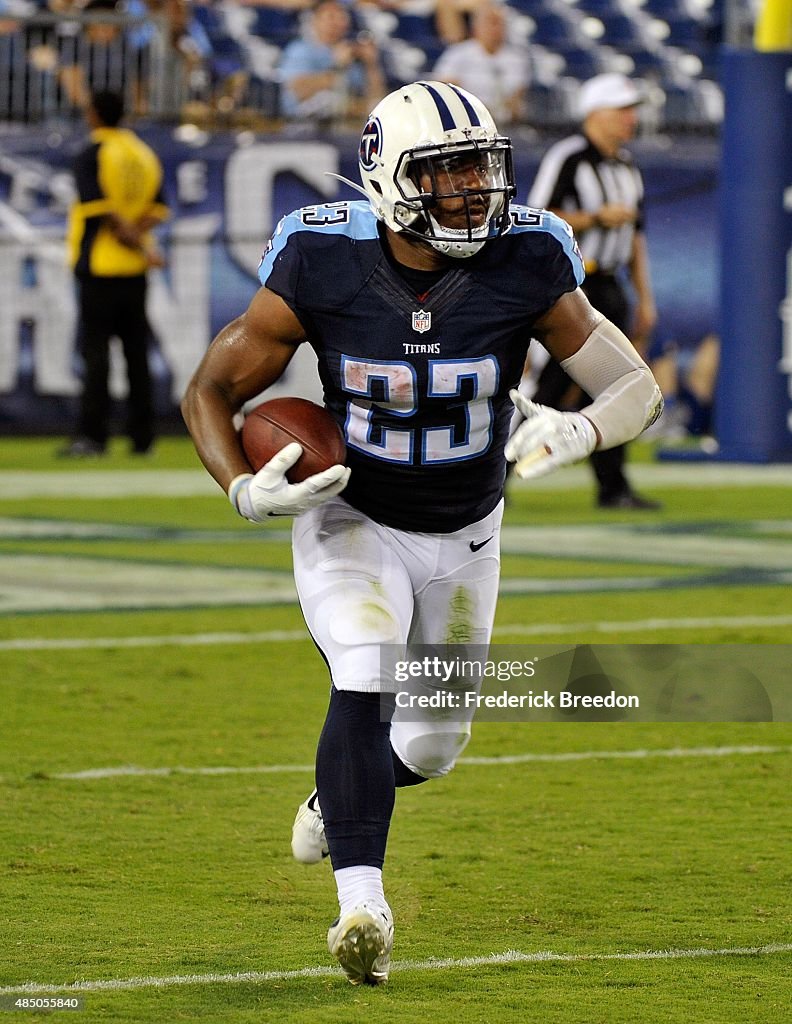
(370, 144)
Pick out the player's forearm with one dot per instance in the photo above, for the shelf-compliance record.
(246, 357)
(209, 414)
(626, 398)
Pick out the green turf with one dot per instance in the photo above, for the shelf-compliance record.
(176, 874)
(41, 453)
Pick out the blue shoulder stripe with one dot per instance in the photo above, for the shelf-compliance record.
(528, 218)
(354, 219)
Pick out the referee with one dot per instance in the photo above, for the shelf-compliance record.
(592, 182)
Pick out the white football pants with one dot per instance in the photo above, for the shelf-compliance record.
(362, 585)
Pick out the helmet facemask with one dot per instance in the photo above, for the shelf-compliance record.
(455, 196)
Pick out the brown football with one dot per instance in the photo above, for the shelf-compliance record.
(274, 424)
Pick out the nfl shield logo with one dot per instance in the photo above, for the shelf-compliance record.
(421, 321)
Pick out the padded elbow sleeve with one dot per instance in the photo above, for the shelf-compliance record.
(626, 398)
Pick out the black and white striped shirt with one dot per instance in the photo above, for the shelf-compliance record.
(575, 175)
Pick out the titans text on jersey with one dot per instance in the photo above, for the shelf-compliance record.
(419, 382)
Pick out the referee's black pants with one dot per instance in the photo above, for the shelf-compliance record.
(606, 294)
(115, 307)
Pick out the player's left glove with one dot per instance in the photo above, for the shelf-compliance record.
(268, 492)
(547, 438)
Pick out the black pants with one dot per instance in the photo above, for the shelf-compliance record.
(115, 307)
(606, 294)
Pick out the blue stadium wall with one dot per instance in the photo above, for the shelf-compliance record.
(227, 195)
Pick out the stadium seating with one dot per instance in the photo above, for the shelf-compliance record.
(672, 43)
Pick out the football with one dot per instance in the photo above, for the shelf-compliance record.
(272, 425)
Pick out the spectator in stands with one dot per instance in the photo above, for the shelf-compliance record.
(687, 377)
(454, 19)
(279, 5)
(113, 55)
(188, 51)
(488, 65)
(119, 201)
(326, 74)
(94, 59)
(13, 56)
(8, 25)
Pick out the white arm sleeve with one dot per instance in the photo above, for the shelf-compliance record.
(626, 398)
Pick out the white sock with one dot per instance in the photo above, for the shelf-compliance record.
(359, 884)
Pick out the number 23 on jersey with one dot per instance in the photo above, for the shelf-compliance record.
(392, 387)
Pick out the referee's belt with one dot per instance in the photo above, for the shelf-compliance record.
(593, 269)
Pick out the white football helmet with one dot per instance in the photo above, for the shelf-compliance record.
(428, 144)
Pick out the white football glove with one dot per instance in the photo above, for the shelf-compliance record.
(547, 438)
(269, 493)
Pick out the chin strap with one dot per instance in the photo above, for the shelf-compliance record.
(467, 243)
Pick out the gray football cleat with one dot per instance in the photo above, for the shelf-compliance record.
(361, 940)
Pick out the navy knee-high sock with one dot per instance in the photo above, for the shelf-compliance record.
(354, 778)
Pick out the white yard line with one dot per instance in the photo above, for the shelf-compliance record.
(41, 583)
(299, 635)
(586, 755)
(38, 581)
(175, 640)
(98, 483)
(630, 543)
(646, 625)
(511, 956)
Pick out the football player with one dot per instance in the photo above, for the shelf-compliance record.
(420, 302)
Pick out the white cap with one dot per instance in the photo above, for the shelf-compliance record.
(608, 92)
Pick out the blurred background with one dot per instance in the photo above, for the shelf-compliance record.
(210, 86)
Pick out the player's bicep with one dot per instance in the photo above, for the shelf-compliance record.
(564, 328)
(252, 352)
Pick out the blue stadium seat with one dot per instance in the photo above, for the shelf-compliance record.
(275, 26)
(548, 106)
(666, 9)
(227, 57)
(582, 62)
(623, 31)
(419, 31)
(650, 62)
(692, 106)
(685, 32)
(597, 8)
(555, 31)
(533, 8)
(416, 28)
(209, 19)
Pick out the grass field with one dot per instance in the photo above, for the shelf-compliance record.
(161, 705)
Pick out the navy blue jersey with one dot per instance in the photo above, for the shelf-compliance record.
(419, 383)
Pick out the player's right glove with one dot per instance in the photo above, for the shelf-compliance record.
(547, 438)
(269, 493)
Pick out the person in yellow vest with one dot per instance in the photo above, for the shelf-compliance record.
(111, 248)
